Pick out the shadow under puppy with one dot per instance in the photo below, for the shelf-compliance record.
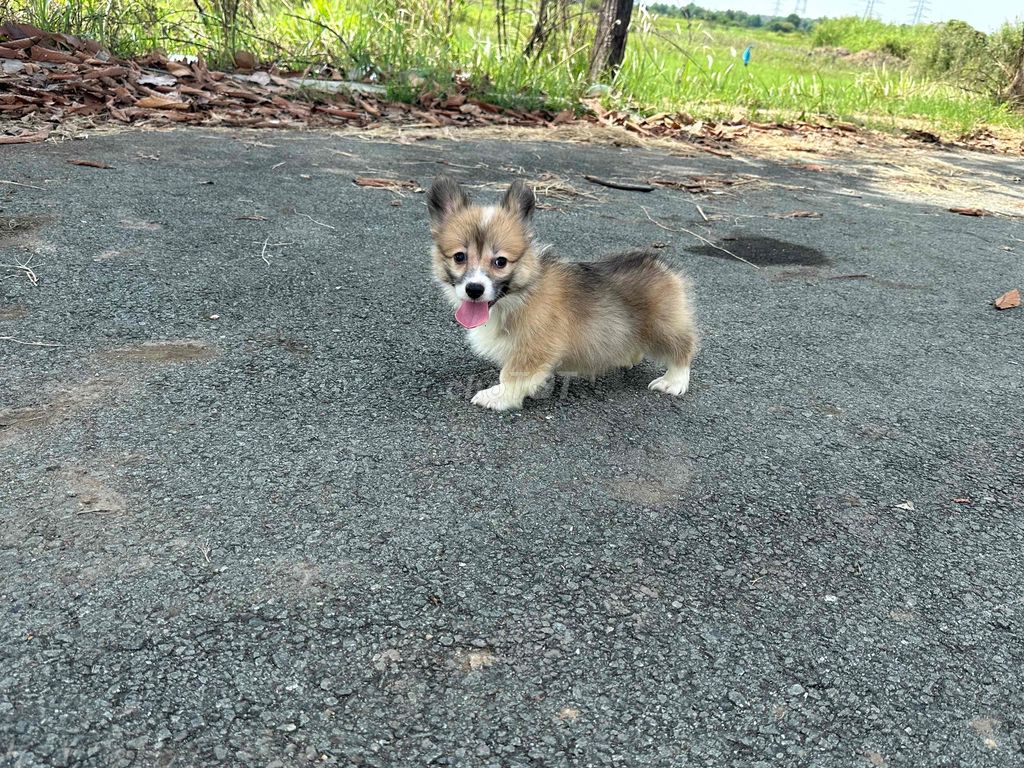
(535, 315)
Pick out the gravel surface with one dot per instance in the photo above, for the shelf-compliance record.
(250, 518)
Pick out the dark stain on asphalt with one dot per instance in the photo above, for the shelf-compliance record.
(766, 252)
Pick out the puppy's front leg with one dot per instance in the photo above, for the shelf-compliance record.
(515, 386)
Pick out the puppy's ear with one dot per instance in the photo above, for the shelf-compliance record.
(519, 200)
(445, 198)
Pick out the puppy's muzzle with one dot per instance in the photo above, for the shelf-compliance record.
(474, 290)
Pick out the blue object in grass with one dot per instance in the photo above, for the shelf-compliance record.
(746, 56)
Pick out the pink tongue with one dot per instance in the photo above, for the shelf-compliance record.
(470, 314)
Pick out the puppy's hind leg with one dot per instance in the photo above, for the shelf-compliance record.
(674, 342)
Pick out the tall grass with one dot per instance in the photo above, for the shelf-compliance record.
(858, 34)
(485, 45)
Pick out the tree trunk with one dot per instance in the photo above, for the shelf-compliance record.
(539, 36)
(1017, 87)
(610, 43)
(1016, 92)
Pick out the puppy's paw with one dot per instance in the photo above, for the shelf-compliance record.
(674, 382)
(494, 398)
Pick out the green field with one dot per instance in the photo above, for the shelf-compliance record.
(887, 76)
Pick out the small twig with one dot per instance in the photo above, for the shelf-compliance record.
(26, 267)
(30, 343)
(275, 167)
(19, 184)
(701, 212)
(268, 244)
(320, 223)
(657, 223)
(699, 237)
(619, 184)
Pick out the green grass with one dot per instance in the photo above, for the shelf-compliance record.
(411, 45)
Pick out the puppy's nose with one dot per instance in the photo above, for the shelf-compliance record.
(474, 290)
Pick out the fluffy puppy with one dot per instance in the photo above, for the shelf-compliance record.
(534, 315)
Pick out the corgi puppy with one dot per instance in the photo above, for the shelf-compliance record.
(534, 315)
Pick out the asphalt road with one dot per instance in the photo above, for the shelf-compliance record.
(248, 515)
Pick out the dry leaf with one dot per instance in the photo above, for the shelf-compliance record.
(1008, 300)
(817, 168)
(160, 102)
(971, 211)
(90, 163)
(907, 505)
(369, 181)
(26, 138)
(801, 215)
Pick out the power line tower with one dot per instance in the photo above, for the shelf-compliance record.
(801, 8)
(869, 9)
(777, 10)
(920, 9)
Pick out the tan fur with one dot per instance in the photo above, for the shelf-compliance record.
(581, 319)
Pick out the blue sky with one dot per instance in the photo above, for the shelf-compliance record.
(985, 15)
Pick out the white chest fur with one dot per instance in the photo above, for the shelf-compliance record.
(491, 341)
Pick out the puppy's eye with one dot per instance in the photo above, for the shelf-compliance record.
(500, 263)
(459, 257)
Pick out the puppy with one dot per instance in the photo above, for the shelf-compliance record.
(534, 315)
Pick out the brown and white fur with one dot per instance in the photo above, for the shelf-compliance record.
(545, 315)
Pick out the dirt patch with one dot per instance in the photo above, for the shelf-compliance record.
(139, 225)
(15, 228)
(13, 313)
(986, 728)
(92, 495)
(59, 407)
(183, 351)
(474, 661)
(662, 486)
(295, 346)
(767, 251)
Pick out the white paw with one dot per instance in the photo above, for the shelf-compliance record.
(673, 382)
(494, 398)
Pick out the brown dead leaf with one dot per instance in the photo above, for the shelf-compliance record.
(26, 138)
(90, 163)
(816, 167)
(1008, 300)
(392, 184)
(178, 69)
(160, 102)
(971, 211)
(800, 215)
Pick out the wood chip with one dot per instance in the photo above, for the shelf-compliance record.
(625, 185)
(26, 138)
(1008, 300)
(90, 163)
(393, 184)
(971, 211)
(160, 102)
